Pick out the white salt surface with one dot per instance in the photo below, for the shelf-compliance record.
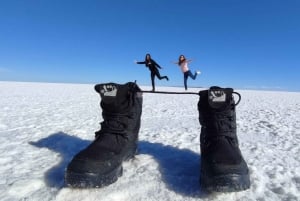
(42, 126)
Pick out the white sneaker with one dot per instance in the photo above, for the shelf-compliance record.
(198, 72)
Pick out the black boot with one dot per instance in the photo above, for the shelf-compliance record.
(222, 165)
(100, 164)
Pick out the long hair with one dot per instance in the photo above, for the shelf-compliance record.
(181, 61)
(148, 59)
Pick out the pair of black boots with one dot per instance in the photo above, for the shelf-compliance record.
(222, 165)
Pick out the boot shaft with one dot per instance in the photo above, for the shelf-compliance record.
(217, 114)
(121, 109)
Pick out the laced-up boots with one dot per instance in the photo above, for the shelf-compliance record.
(222, 165)
(100, 163)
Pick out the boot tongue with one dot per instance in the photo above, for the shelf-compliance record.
(219, 97)
(114, 97)
(108, 92)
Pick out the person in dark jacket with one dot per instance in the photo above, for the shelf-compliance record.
(153, 67)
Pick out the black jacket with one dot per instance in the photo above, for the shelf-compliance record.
(152, 65)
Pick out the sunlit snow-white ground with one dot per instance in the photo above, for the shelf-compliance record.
(43, 125)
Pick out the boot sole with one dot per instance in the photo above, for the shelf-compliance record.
(92, 180)
(225, 183)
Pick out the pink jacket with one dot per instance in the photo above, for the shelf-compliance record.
(184, 66)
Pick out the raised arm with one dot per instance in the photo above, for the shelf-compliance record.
(140, 62)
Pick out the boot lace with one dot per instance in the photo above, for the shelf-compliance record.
(222, 123)
(113, 124)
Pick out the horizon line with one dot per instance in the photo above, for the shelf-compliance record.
(262, 88)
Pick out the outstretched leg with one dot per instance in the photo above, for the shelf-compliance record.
(191, 75)
(159, 76)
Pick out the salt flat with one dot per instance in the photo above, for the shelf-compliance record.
(43, 125)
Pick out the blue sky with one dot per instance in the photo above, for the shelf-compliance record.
(234, 43)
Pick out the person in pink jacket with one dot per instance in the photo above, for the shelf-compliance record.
(183, 64)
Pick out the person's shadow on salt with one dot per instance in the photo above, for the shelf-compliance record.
(67, 146)
(179, 168)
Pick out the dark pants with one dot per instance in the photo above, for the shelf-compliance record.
(186, 75)
(157, 74)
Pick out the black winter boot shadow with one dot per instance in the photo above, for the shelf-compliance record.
(67, 146)
(179, 168)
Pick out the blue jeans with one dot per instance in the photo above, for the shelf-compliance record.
(186, 75)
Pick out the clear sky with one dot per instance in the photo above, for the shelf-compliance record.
(234, 43)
